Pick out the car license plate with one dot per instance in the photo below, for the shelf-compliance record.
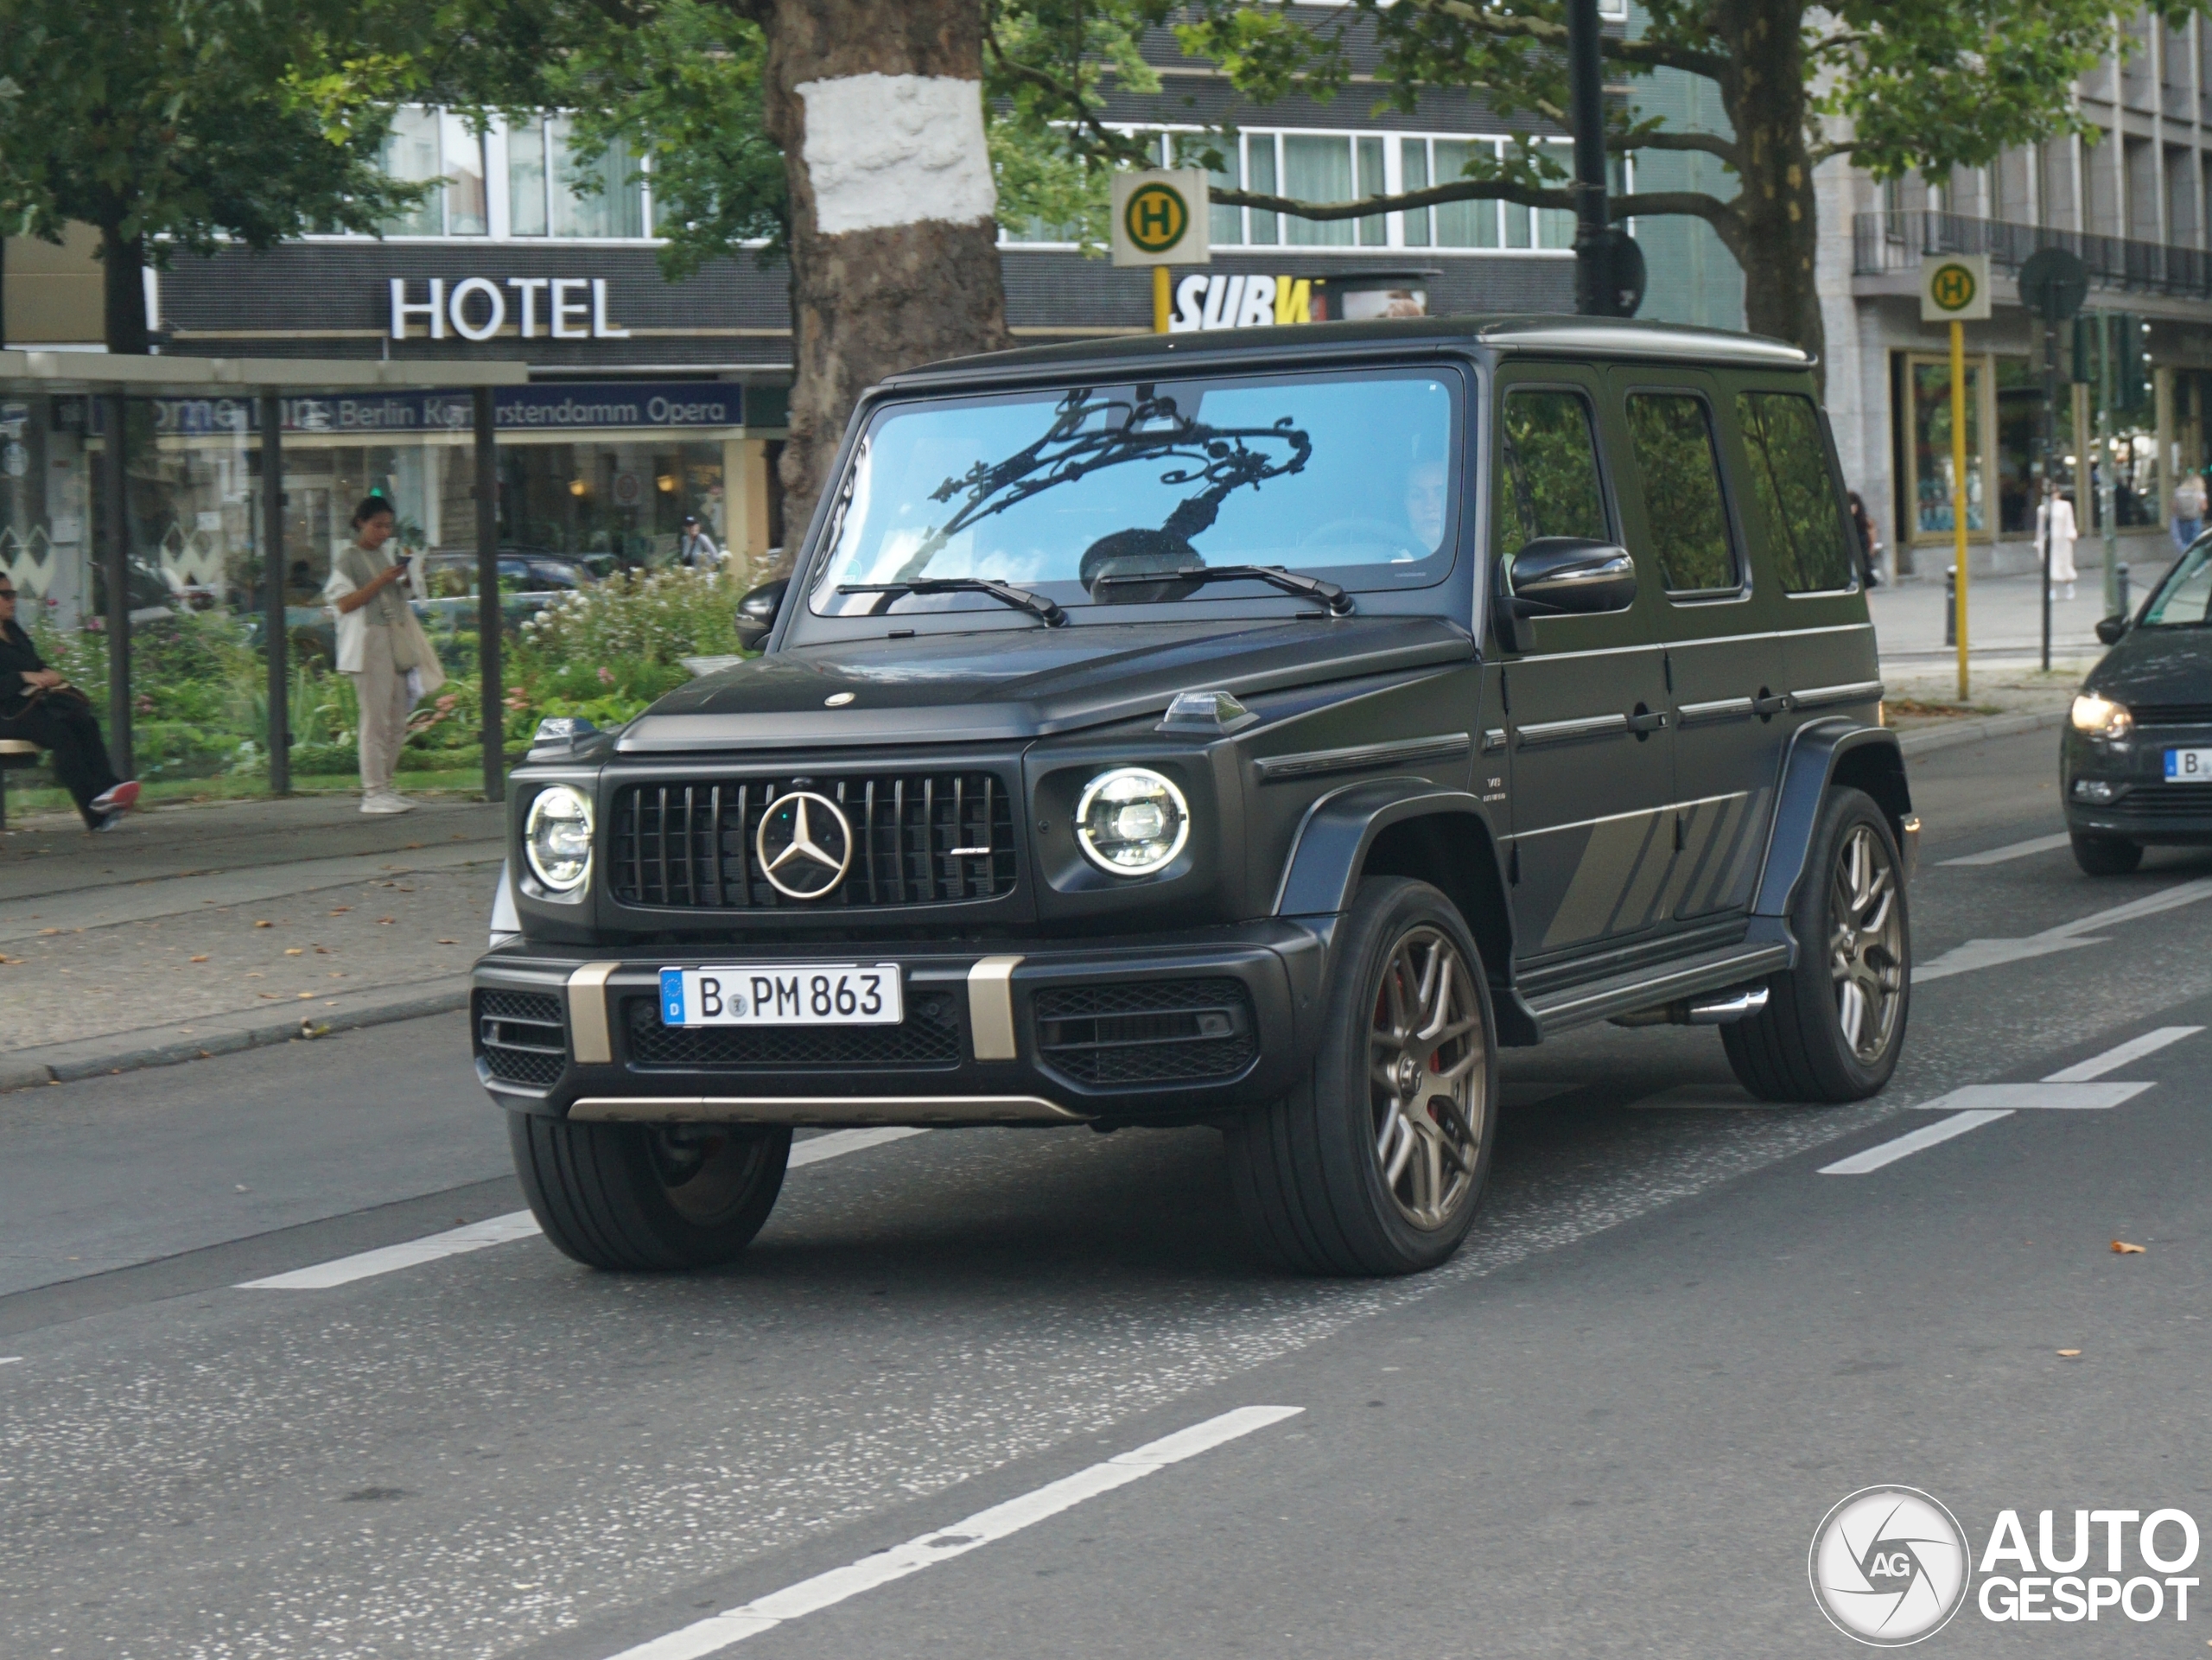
(820, 993)
(2188, 767)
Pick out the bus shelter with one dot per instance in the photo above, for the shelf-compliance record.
(168, 522)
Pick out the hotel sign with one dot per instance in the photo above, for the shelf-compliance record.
(477, 307)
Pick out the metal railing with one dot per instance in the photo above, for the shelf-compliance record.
(1898, 241)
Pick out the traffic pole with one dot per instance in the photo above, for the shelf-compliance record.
(1159, 286)
(1959, 486)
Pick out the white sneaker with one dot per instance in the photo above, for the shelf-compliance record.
(386, 801)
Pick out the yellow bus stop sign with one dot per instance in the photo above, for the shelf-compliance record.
(1160, 218)
(1955, 288)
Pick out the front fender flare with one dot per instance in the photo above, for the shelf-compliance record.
(1332, 841)
(1818, 751)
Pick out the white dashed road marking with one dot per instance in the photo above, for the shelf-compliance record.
(2016, 850)
(517, 1224)
(2066, 937)
(719, 1631)
(2068, 1089)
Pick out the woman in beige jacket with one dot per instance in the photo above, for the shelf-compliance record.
(378, 650)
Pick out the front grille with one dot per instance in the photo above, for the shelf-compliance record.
(524, 1039)
(1146, 1031)
(2166, 801)
(2171, 713)
(918, 838)
(930, 1036)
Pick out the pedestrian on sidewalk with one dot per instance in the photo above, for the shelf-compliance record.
(38, 703)
(1869, 543)
(382, 648)
(2055, 526)
(695, 547)
(2189, 509)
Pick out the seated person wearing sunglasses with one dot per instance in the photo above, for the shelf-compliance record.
(36, 702)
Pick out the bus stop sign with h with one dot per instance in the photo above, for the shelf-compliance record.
(1161, 219)
(1955, 288)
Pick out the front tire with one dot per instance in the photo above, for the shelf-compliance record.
(1833, 1026)
(2105, 856)
(648, 1196)
(1376, 1162)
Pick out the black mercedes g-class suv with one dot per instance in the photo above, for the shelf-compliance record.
(1257, 730)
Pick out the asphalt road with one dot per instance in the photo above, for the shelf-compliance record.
(1609, 1427)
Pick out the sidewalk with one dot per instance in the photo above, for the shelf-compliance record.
(2004, 645)
(201, 929)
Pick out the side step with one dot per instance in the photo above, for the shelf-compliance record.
(1649, 987)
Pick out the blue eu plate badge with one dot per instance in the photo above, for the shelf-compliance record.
(671, 996)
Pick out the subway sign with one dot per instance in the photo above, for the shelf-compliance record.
(1222, 300)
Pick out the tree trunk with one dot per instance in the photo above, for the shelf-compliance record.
(123, 292)
(878, 107)
(1765, 94)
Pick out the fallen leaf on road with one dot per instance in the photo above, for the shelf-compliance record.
(292, 950)
(202, 957)
(310, 1029)
(382, 920)
(264, 925)
(270, 994)
(449, 942)
(341, 910)
(49, 930)
(307, 994)
(2070, 1354)
(409, 845)
(2120, 1247)
(256, 975)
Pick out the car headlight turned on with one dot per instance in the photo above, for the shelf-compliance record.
(557, 838)
(1131, 822)
(2101, 718)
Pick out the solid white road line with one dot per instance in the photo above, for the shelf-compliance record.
(2016, 850)
(518, 1224)
(1990, 953)
(1932, 1134)
(719, 1631)
(2113, 1059)
(9, 1359)
(2069, 1088)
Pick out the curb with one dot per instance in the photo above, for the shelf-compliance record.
(78, 1060)
(1996, 726)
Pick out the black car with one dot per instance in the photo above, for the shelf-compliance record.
(1258, 731)
(2135, 765)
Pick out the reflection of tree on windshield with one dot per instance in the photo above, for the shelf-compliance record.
(1085, 438)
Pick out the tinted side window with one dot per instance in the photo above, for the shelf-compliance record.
(1790, 476)
(1551, 471)
(1671, 433)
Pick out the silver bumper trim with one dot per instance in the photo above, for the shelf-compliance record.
(990, 1009)
(841, 1109)
(590, 1042)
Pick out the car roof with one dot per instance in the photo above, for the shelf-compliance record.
(1519, 335)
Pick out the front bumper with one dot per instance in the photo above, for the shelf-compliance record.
(1160, 1029)
(2142, 806)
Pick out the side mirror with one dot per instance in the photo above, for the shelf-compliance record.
(1570, 576)
(2109, 629)
(756, 611)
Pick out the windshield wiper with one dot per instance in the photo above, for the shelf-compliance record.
(1020, 598)
(1311, 588)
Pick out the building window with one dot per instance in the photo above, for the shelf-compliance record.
(428, 145)
(552, 192)
(1316, 167)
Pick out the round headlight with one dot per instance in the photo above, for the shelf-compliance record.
(557, 839)
(1131, 822)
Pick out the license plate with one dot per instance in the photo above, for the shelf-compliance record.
(2188, 767)
(821, 994)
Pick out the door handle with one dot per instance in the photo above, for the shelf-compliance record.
(1766, 706)
(1646, 721)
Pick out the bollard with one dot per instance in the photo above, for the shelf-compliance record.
(1951, 605)
(2127, 605)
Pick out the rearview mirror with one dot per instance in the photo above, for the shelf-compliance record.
(2109, 629)
(756, 611)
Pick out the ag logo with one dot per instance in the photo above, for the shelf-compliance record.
(806, 845)
(1889, 1566)
(1953, 287)
(1155, 217)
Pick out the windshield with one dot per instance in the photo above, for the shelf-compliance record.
(1343, 477)
(2186, 594)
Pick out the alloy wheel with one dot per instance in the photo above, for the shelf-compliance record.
(1865, 942)
(1429, 1080)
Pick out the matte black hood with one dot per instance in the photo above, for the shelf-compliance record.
(2157, 666)
(1002, 683)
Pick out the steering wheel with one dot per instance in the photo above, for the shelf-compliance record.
(1374, 530)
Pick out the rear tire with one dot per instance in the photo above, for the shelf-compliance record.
(1833, 1026)
(2106, 855)
(1376, 1162)
(648, 1196)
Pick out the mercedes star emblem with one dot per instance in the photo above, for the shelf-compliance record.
(806, 845)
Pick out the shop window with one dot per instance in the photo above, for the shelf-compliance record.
(1551, 471)
(1684, 514)
(2130, 456)
(1795, 491)
(2019, 420)
(1931, 449)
